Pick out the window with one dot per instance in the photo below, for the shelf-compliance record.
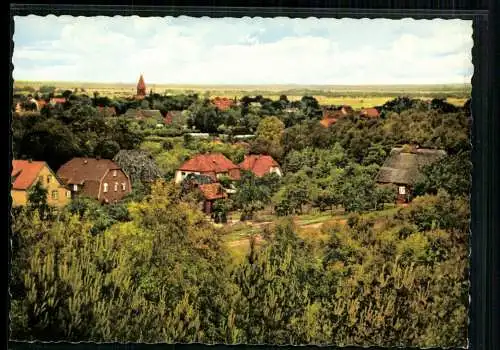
(49, 178)
(114, 173)
(55, 195)
(124, 186)
(402, 190)
(116, 186)
(68, 194)
(75, 188)
(105, 187)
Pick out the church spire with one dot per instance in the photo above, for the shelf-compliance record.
(141, 87)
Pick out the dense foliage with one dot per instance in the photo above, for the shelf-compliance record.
(153, 268)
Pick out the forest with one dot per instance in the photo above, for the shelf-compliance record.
(152, 268)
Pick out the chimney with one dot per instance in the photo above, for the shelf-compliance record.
(30, 160)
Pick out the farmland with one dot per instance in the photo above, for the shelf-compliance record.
(357, 96)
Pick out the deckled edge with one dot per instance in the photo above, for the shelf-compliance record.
(243, 13)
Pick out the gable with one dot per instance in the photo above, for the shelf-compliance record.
(25, 173)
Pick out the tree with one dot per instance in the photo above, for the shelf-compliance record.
(37, 200)
(452, 174)
(273, 295)
(204, 117)
(47, 89)
(296, 192)
(268, 137)
(67, 94)
(310, 107)
(107, 149)
(251, 195)
(50, 140)
(125, 133)
(138, 165)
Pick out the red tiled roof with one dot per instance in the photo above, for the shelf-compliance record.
(41, 103)
(212, 191)
(327, 122)
(58, 100)
(258, 164)
(80, 170)
(370, 112)
(25, 173)
(214, 162)
(222, 103)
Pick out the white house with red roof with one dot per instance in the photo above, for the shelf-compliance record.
(260, 165)
(215, 165)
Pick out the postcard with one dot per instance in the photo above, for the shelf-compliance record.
(241, 180)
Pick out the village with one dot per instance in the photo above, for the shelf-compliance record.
(107, 182)
(235, 197)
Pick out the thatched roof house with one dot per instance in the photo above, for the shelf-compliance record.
(402, 167)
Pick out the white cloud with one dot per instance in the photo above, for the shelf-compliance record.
(245, 51)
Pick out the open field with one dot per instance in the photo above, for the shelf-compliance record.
(357, 96)
(237, 236)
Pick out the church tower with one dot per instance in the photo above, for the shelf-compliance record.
(141, 87)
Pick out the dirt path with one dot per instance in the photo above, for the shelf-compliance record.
(243, 241)
(320, 224)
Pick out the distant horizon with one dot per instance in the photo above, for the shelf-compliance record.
(236, 85)
(243, 51)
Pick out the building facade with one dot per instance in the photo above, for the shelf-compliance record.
(25, 174)
(101, 179)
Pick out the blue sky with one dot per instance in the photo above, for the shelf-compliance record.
(186, 50)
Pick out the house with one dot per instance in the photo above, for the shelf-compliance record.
(26, 173)
(57, 100)
(223, 103)
(369, 112)
(402, 168)
(41, 103)
(260, 165)
(332, 114)
(101, 179)
(346, 110)
(327, 122)
(211, 192)
(210, 189)
(215, 165)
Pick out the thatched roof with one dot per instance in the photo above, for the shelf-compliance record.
(403, 166)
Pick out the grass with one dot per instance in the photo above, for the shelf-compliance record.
(236, 237)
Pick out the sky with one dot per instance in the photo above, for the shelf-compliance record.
(187, 50)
